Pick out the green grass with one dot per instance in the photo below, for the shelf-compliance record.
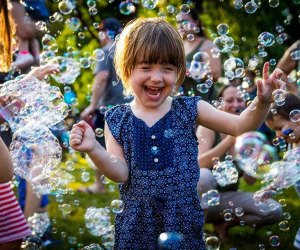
(241, 237)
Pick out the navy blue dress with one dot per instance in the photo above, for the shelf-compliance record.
(160, 194)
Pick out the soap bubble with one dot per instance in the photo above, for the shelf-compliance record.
(266, 39)
(253, 153)
(126, 8)
(224, 43)
(212, 243)
(117, 206)
(74, 23)
(284, 225)
(97, 221)
(199, 67)
(225, 173)
(274, 241)
(98, 55)
(66, 7)
(250, 7)
(279, 97)
(239, 211)
(49, 43)
(238, 4)
(295, 55)
(69, 69)
(223, 29)
(149, 4)
(39, 223)
(211, 198)
(274, 3)
(295, 115)
(185, 9)
(170, 241)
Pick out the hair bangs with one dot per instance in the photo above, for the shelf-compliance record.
(158, 48)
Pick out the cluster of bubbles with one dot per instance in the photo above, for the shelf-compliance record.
(282, 174)
(31, 243)
(224, 43)
(210, 198)
(254, 154)
(200, 71)
(39, 223)
(234, 68)
(97, 221)
(225, 172)
(93, 246)
(250, 6)
(32, 100)
(31, 108)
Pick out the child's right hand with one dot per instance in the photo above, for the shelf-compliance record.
(42, 71)
(82, 137)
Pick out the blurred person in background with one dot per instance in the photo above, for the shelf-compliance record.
(194, 40)
(107, 90)
(214, 146)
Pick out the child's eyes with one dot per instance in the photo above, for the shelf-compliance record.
(169, 68)
(144, 66)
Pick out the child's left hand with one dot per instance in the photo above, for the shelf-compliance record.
(42, 71)
(269, 83)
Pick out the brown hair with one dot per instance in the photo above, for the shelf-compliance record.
(148, 40)
(6, 33)
(291, 102)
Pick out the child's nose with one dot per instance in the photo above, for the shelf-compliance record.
(156, 76)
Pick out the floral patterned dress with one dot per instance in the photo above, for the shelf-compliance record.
(160, 194)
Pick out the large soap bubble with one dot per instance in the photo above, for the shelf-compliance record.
(69, 69)
(254, 153)
(97, 221)
(32, 100)
(36, 154)
(225, 173)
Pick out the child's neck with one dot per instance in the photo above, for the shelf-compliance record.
(150, 115)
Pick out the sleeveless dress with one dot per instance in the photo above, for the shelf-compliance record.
(160, 194)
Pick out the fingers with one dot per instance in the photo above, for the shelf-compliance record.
(76, 135)
(280, 84)
(277, 73)
(266, 69)
(259, 85)
(82, 124)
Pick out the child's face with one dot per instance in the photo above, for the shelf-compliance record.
(153, 83)
(286, 128)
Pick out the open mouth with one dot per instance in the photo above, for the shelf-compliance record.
(153, 92)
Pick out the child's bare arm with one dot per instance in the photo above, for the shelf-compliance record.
(6, 165)
(111, 162)
(251, 118)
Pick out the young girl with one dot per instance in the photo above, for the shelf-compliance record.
(151, 143)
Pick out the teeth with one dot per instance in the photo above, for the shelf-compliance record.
(153, 88)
